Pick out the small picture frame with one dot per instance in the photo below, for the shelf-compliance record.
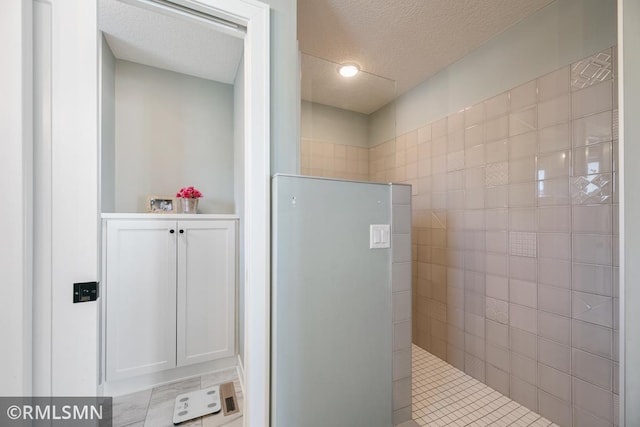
(162, 204)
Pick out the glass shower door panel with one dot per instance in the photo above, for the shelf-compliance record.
(331, 302)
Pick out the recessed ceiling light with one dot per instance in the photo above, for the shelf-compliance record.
(348, 70)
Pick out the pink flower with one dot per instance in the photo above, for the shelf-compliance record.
(189, 193)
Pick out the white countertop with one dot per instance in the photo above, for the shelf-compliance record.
(168, 216)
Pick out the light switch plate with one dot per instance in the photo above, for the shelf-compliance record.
(379, 236)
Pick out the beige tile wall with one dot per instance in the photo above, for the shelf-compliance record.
(401, 294)
(319, 158)
(515, 236)
(396, 160)
(515, 265)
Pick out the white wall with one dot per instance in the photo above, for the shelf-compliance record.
(285, 87)
(42, 170)
(108, 128)
(75, 177)
(16, 186)
(238, 144)
(561, 33)
(329, 124)
(172, 131)
(382, 125)
(630, 207)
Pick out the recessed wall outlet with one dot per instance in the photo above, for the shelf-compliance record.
(379, 236)
(85, 292)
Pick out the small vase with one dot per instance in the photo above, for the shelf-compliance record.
(189, 206)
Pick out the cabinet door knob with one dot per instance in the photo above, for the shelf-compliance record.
(181, 231)
(172, 231)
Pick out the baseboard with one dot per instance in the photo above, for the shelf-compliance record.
(240, 368)
(147, 381)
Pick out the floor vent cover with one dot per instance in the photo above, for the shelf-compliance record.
(229, 399)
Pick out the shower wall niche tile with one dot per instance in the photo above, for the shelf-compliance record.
(592, 70)
(522, 244)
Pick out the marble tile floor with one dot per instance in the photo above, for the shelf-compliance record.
(154, 407)
(442, 395)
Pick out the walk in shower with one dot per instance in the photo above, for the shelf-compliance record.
(512, 156)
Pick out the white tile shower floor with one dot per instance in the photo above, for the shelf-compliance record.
(445, 396)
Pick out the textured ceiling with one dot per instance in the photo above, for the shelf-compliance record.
(187, 46)
(363, 93)
(404, 40)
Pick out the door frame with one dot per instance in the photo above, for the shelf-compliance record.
(16, 178)
(252, 14)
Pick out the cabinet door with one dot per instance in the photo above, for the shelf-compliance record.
(206, 290)
(140, 296)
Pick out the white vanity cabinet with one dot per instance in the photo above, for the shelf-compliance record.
(170, 293)
(206, 291)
